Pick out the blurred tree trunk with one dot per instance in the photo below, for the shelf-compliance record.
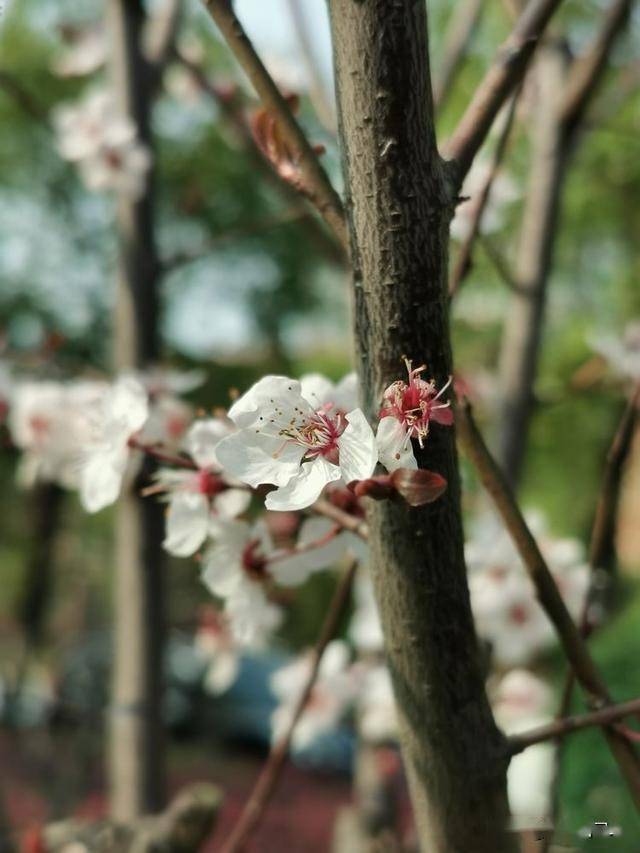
(400, 203)
(525, 315)
(136, 736)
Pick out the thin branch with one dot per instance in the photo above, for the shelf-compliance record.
(460, 27)
(546, 589)
(602, 533)
(270, 775)
(500, 80)
(587, 70)
(229, 107)
(347, 521)
(325, 109)
(463, 260)
(566, 725)
(500, 264)
(318, 186)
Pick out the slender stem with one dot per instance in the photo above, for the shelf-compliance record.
(270, 774)
(306, 546)
(161, 456)
(319, 188)
(604, 521)
(500, 80)
(546, 589)
(463, 261)
(566, 725)
(500, 264)
(347, 521)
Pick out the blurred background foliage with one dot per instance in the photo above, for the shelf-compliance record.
(249, 289)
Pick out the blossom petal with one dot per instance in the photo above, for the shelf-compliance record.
(101, 479)
(316, 389)
(231, 502)
(255, 458)
(270, 391)
(203, 438)
(394, 448)
(304, 488)
(358, 451)
(443, 415)
(128, 403)
(187, 523)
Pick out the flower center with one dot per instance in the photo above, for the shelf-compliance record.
(518, 614)
(319, 433)
(413, 403)
(254, 563)
(209, 484)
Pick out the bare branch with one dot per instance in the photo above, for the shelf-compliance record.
(319, 188)
(500, 80)
(566, 725)
(500, 264)
(460, 27)
(270, 775)
(587, 70)
(463, 261)
(160, 32)
(546, 589)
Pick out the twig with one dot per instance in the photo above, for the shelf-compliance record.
(160, 35)
(587, 70)
(318, 185)
(546, 589)
(463, 261)
(344, 519)
(160, 455)
(500, 264)
(602, 533)
(499, 81)
(566, 725)
(460, 27)
(270, 775)
(323, 238)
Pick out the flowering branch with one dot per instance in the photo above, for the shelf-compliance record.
(463, 261)
(546, 589)
(500, 80)
(318, 187)
(347, 521)
(566, 725)
(270, 775)
(155, 452)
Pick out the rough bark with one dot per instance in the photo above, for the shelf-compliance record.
(399, 203)
(523, 329)
(136, 736)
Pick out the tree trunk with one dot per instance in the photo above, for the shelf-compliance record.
(399, 205)
(136, 745)
(525, 316)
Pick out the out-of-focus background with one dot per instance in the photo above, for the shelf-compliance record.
(252, 286)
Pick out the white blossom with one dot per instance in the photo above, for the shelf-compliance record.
(284, 440)
(376, 705)
(196, 496)
(365, 630)
(522, 701)
(505, 609)
(103, 143)
(116, 417)
(215, 644)
(84, 54)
